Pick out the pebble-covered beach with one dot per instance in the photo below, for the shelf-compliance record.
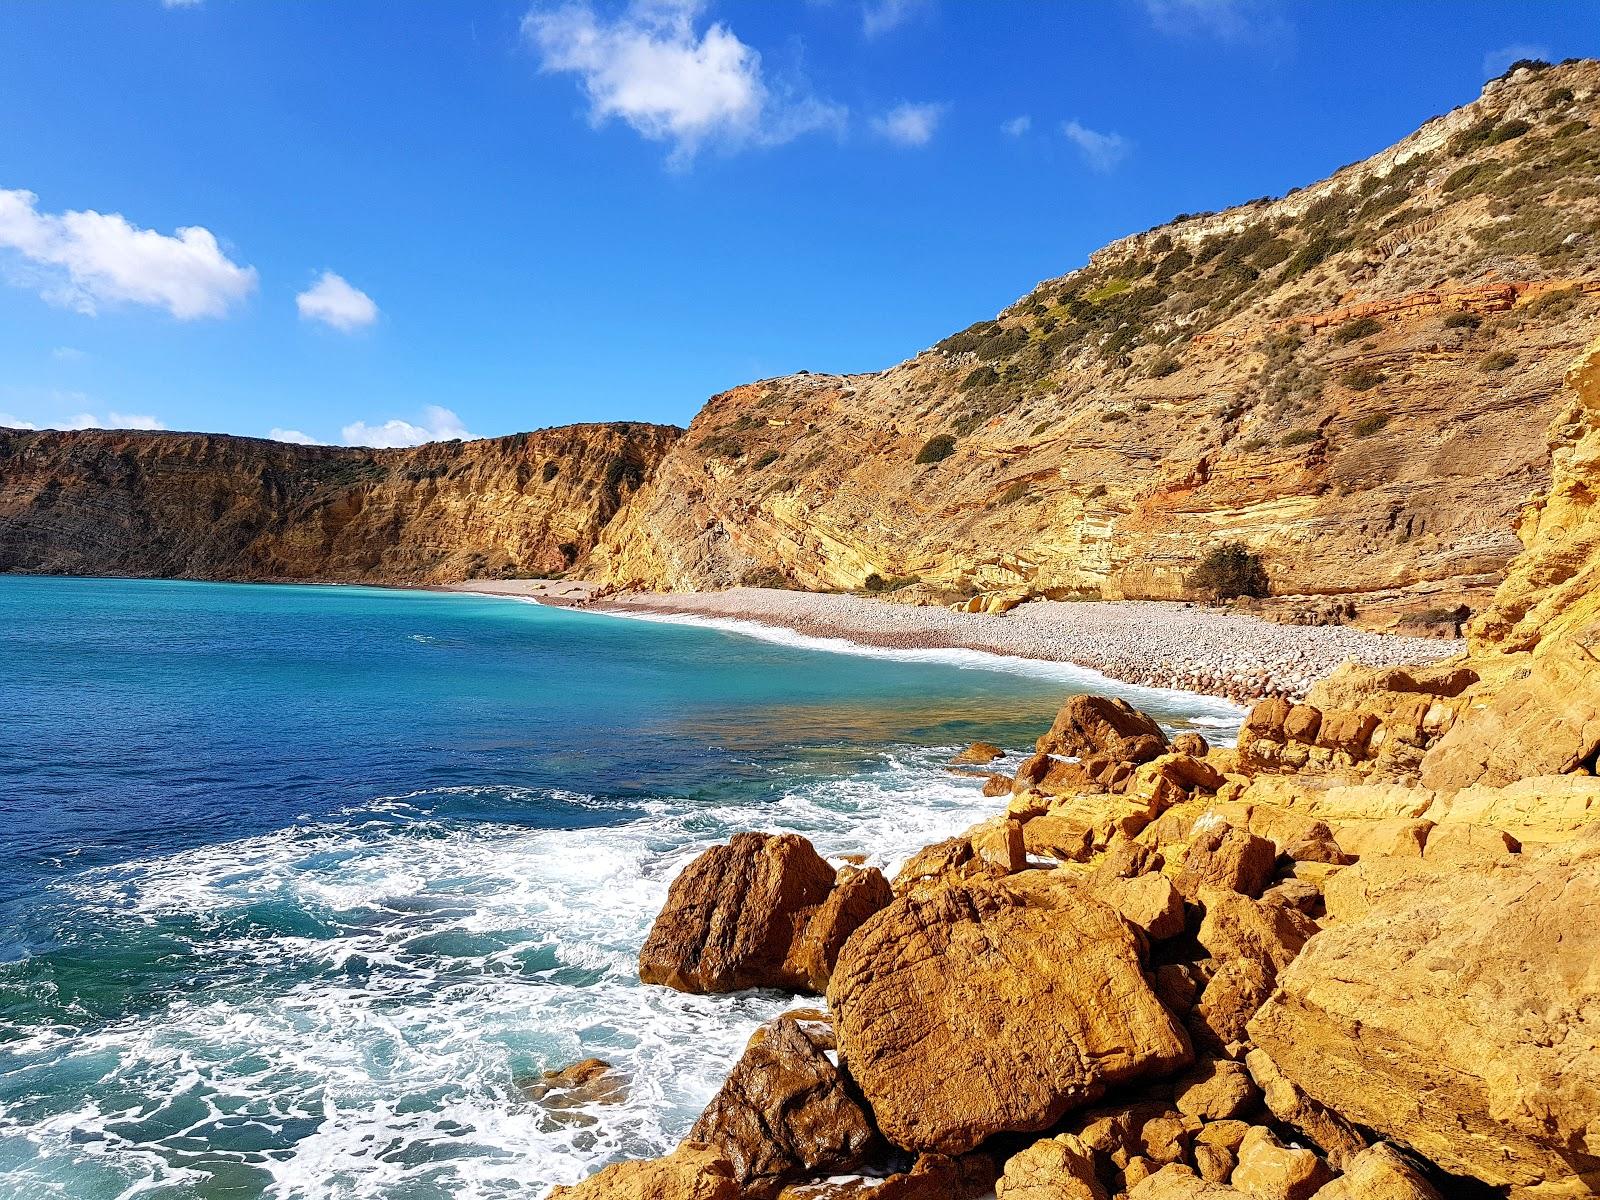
(1155, 643)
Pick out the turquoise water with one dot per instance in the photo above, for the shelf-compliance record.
(299, 886)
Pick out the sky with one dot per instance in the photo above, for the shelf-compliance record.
(364, 222)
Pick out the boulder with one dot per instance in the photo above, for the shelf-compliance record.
(979, 1009)
(1379, 1173)
(1148, 902)
(1216, 1090)
(565, 1093)
(1237, 927)
(1347, 730)
(1236, 990)
(1269, 1170)
(786, 1109)
(1458, 1015)
(691, 1172)
(1394, 837)
(857, 893)
(999, 843)
(1058, 1168)
(932, 1177)
(1224, 856)
(1090, 725)
(979, 754)
(933, 864)
(732, 914)
(998, 785)
(1065, 836)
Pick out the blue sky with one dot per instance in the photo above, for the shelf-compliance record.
(380, 222)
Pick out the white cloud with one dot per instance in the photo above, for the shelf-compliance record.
(910, 124)
(439, 425)
(1017, 126)
(1497, 62)
(84, 259)
(7, 421)
(1225, 20)
(881, 16)
(1103, 152)
(294, 436)
(651, 69)
(181, 3)
(68, 354)
(112, 420)
(335, 302)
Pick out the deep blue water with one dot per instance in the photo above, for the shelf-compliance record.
(299, 885)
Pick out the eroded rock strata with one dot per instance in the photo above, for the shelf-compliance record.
(209, 506)
(1354, 957)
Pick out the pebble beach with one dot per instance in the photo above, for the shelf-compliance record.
(1154, 643)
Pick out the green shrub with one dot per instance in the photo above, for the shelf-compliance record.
(1299, 437)
(1362, 377)
(1357, 328)
(1556, 97)
(980, 377)
(551, 470)
(1041, 427)
(1227, 571)
(767, 577)
(1463, 320)
(765, 461)
(1161, 366)
(1012, 494)
(1370, 424)
(723, 445)
(1554, 304)
(936, 449)
(1254, 445)
(1497, 360)
(1112, 417)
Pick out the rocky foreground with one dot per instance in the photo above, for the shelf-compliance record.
(1357, 957)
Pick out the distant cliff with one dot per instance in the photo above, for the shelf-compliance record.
(1354, 380)
(208, 506)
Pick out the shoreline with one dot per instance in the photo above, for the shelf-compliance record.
(1161, 644)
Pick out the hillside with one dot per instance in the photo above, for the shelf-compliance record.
(206, 506)
(1354, 380)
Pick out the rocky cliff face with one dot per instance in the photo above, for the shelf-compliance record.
(204, 506)
(1354, 380)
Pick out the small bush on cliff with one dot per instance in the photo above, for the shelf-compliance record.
(1463, 320)
(980, 377)
(1357, 328)
(1370, 424)
(877, 583)
(936, 449)
(1228, 571)
(1161, 366)
(551, 470)
(1497, 360)
(1012, 494)
(1299, 437)
(1362, 378)
(1554, 304)
(765, 461)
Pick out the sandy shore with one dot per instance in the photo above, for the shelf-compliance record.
(1155, 643)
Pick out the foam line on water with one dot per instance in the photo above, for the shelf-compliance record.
(380, 989)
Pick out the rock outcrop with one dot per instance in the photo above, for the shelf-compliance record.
(1351, 380)
(764, 910)
(209, 506)
(975, 1010)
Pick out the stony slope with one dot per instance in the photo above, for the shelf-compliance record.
(1354, 379)
(206, 506)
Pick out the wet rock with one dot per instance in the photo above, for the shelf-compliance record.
(998, 785)
(975, 1010)
(564, 1093)
(786, 1109)
(979, 753)
(932, 1177)
(858, 893)
(1089, 725)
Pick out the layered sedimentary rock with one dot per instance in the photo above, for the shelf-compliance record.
(208, 506)
(1352, 380)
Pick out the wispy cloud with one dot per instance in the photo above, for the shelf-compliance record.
(81, 260)
(652, 69)
(1497, 62)
(1103, 152)
(438, 425)
(337, 304)
(292, 435)
(881, 16)
(1225, 20)
(8, 421)
(68, 354)
(910, 124)
(112, 420)
(1017, 126)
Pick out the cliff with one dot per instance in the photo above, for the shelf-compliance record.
(1353, 380)
(207, 506)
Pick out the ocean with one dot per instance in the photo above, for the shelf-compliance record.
(301, 887)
